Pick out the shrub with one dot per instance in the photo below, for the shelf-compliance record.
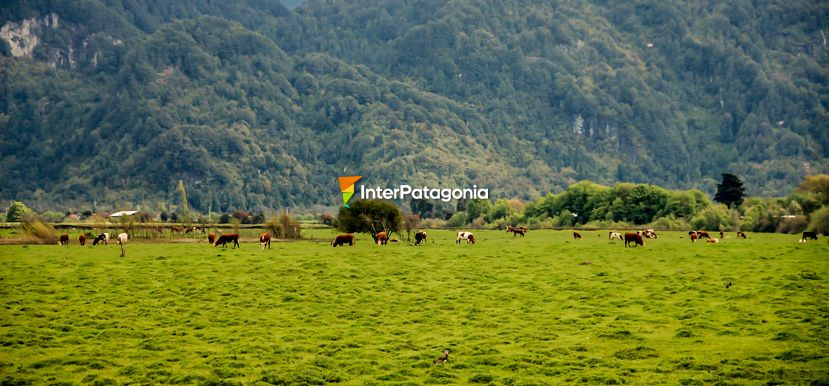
(714, 218)
(794, 224)
(37, 229)
(457, 220)
(284, 226)
(820, 220)
(16, 211)
(433, 223)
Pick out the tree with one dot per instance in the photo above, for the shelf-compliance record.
(816, 186)
(371, 216)
(183, 193)
(730, 191)
(16, 211)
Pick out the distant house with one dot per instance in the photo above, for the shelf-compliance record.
(123, 213)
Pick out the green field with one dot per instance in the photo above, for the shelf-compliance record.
(545, 309)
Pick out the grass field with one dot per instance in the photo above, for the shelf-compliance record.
(545, 309)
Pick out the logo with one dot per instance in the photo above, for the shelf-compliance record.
(347, 187)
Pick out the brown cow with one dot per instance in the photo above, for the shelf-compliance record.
(341, 240)
(381, 238)
(224, 239)
(64, 239)
(516, 231)
(633, 238)
(713, 240)
(694, 236)
(576, 235)
(703, 235)
(211, 238)
(420, 237)
(82, 239)
(265, 239)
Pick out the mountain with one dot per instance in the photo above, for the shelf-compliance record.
(254, 105)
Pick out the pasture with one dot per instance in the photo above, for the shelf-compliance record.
(544, 309)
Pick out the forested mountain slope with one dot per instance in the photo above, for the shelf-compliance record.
(253, 105)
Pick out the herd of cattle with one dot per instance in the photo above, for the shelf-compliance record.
(382, 238)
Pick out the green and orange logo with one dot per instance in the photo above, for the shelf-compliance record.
(347, 187)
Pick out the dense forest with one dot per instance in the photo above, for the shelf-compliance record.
(254, 105)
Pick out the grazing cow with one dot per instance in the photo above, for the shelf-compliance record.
(211, 238)
(712, 240)
(381, 238)
(809, 236)
(122, 241)
(648, 233)
(224, 239)
(703, 235)
(64, 239)
(694, 236)
(468, 236)
(614, 236)
(420, 237)
(633, 238)
(741, 235)
(516, 231)
(82, 239)
(265, 239)
(341, 240)
(176, 229)
(103, 237)
(576, 235)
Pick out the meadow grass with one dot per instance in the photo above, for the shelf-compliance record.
(544, 309)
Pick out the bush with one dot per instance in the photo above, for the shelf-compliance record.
(457, 220)
(669, 223)
(820, 221)
(16, 211)
(37, 229)
(715, 218)
(284, 226)
(53, 217)
(433, 223)
(792, 225)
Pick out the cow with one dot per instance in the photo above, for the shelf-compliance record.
(265, 239)
(694, 236)
(741, 235)
(650, 234)
(703, 235)
(64, 239)
(516, 231)
(468, 236)
(576, 235)
(211, 238)
(614, 236)
(809, 236)
(712, 240)
(341, 240)
(633, 238)
(176, 229)
(103, 237)
(82, 239)
(420, 237)
(224, 239)
(381, 238)
(122, 241)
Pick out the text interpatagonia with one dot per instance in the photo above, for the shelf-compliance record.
(424, 193)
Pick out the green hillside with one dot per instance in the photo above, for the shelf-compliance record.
(257, 106)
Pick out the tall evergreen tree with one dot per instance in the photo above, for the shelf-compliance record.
(730, 191)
